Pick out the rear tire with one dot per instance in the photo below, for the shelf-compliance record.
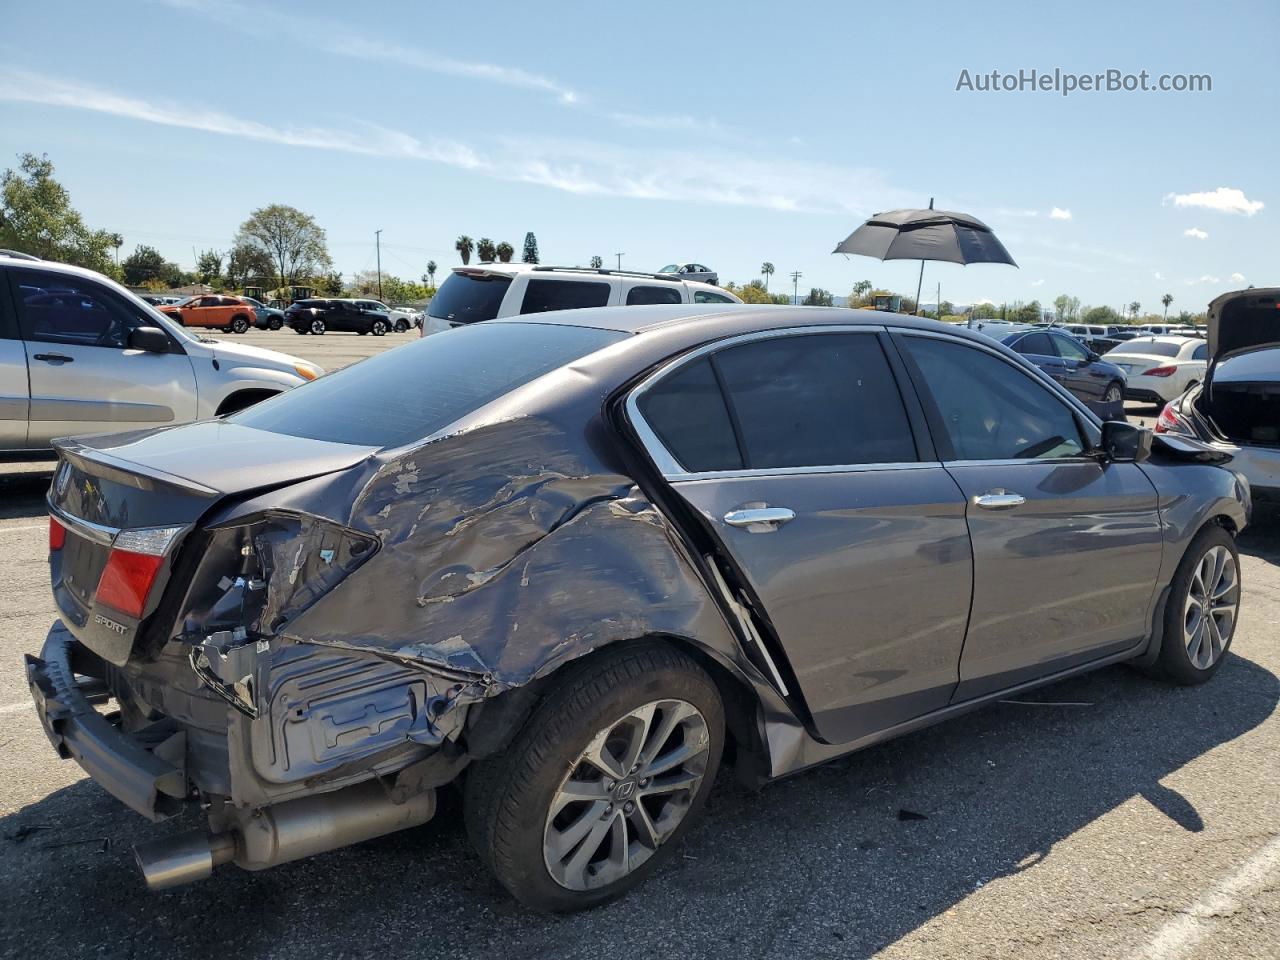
(1202, 611)
(240, 325)
(402, 325)
(275, 323)
(1114, 393)
(316, 326)
(541, 805)
(379, 328)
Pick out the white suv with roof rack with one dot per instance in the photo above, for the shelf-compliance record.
(490, 290)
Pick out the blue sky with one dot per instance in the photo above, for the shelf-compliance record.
(726, 133)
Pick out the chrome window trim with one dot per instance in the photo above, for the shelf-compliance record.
(672, 469)
(802, 471)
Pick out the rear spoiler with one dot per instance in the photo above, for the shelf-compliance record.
(126, 472)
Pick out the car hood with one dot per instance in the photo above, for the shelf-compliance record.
(1243, 320)
(227, 351)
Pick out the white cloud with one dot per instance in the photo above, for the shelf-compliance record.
(1158, 275)
(581, 167)
(1037, 283)
(1224, 200)
(1237, 278)
(1057, 213)
(1195, 232)
(1204, 279)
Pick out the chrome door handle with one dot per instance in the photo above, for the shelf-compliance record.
(767, 518)
(999, 500)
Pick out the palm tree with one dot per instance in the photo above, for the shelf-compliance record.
(505, 252)
(117, 241)
(1134, 307)
(597, 262)
(767, 269)
(464, 245)
(486, 250)
(1166, 300)
(431, 272)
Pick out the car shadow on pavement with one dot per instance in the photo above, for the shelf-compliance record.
(844, 859)
(22, 492)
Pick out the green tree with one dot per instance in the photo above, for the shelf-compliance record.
(36, 217)
(597, 262)
(1166, 300)
(246, 263)
(1029, 313)
(860, 293)
(431, 272)
(1104, 316)
(143, 266)
(292, 240)
(117, 242)
(209, 266)
(767, 270)
(331, 283)
(486, 250)
(1134, 309)
(1066, 308)
(530, 254)
(818, 298)
(464, 245)
(505, 252)
(173, 276)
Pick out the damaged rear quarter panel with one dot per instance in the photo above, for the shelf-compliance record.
(506, 551)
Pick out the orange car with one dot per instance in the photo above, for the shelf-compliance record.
(230, 314)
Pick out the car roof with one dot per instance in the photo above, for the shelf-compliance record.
(601, 273)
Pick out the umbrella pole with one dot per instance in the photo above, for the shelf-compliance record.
(920, 282)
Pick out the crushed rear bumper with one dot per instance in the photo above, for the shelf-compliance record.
(130, 767)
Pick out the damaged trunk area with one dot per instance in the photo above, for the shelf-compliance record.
(1246, 412)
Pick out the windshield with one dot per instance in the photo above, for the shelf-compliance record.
(183, 303)
(670, 268)
(410, 392)
(1150, 348)
(469, 297)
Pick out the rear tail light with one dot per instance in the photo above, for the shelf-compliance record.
(1170, 421)
(130, 572)
(1160, 372)
(57, 535)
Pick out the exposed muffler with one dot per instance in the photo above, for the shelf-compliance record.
(262, 838)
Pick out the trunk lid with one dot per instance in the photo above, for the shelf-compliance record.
(122, 505)
(1243, 320)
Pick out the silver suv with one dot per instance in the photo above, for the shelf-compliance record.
(81, 354)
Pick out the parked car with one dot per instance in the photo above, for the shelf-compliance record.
(1157, 369)
(320, 315)
(216, 310)
(472, 294)
(81, 354)
(1093, 380)
(404, 318)
(607, 544)
(693, 271)
(265, 317)
(1236, 408)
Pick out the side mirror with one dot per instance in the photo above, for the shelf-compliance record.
(1126, 442)
(151, 339)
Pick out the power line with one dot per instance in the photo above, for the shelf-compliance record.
(795, 286)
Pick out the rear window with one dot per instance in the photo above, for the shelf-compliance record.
(468, 298)
(410, 392)
(1152, 348)
(541, 296)
(641, 295)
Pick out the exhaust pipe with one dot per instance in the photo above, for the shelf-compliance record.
(262, 838)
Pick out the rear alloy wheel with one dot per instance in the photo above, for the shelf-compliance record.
(611, 769)
(1202, 609)
(240, 325)
(402, 325)
(316, 326)
(1113, 395)
(379, 328)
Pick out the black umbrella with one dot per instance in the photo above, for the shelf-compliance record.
(926, 235)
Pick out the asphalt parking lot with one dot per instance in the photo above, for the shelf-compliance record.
(1107, 816)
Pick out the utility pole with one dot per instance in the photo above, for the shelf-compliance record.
(795, 287)
(377, 240)
(619, 256)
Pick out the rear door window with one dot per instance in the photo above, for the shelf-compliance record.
(642, 295)
(704, 296)
(1036, 344)
(815, 400)
(688, 413)
(469, 298)
(542, 295)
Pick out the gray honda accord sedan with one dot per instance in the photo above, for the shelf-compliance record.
(570, 564)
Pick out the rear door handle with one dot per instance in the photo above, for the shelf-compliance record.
(999, 500)
(759, 519)
(55, 358)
